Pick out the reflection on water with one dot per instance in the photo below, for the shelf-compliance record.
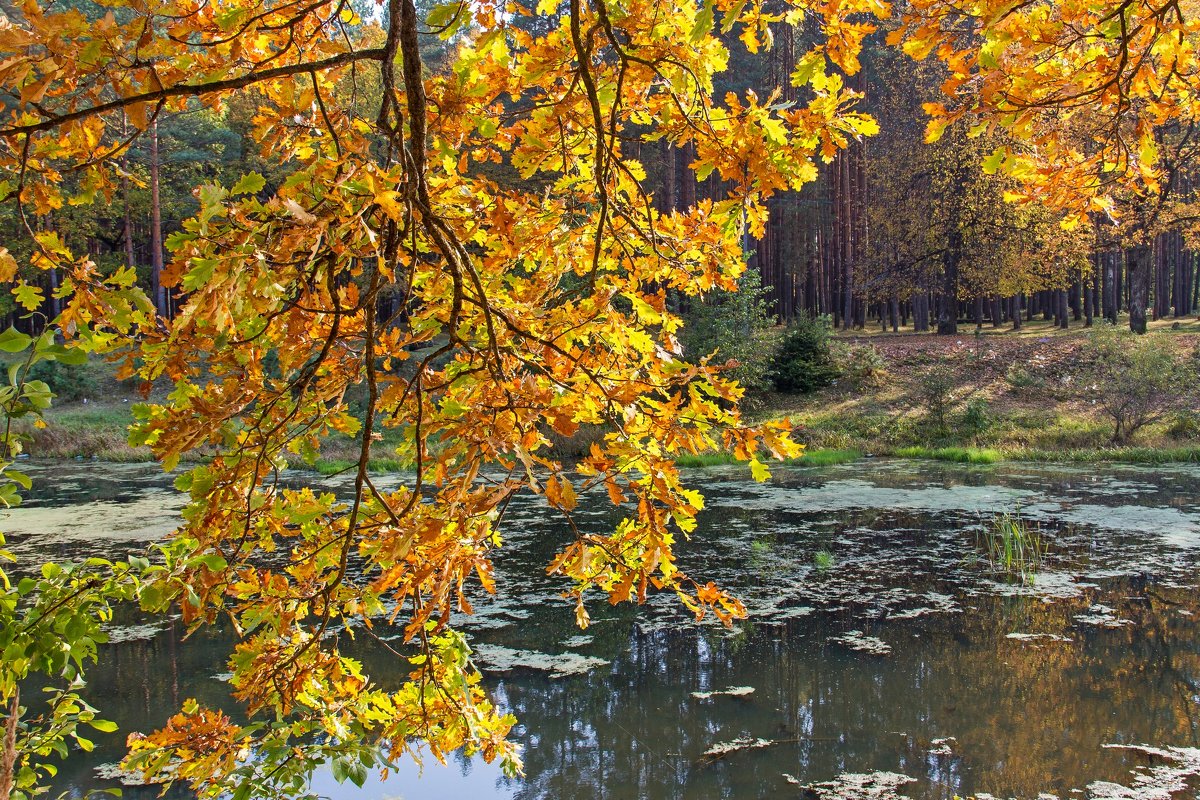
(988, 686)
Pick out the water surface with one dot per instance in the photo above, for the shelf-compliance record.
(907, 654)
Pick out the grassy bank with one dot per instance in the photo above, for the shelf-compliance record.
(983, 399)
(1008, 398)
(813, 458)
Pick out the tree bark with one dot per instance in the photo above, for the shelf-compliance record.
(947, 324)
(156, 231)
(1138, 262)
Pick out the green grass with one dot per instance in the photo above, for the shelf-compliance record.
(336, 466)
(961, 455)
(1014, 547)
(825, 458)
(704, 460)
(1124, 455)
(811, 458)
(81, 416)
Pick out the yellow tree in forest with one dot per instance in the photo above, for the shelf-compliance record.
(474, 318)
(1099, 100)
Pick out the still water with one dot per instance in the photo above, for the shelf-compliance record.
(879, 639)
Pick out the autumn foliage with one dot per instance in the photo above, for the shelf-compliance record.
(474, 315)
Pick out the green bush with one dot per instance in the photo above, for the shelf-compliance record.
(733, 326)
(805, 361)
(859, 366)
(1184, 424)
(936, 392)
(1022, 380)
(1137, 379)
(977, 418)
(68, 382)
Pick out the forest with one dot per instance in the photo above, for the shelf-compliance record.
(378, 370)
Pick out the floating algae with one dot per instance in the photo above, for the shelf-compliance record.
(857, 640)
(500, 659)
(1159, 782)
(858, 786)
(722, 749)
(1101, 616)
(1030, 637)
(732, 691)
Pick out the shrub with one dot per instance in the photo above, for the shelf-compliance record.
(936, 391)
(1022, 380)
(805, 361)
(1137, 378)
(1184, 424)
(67, 381)
(735, 326)
(860, 366)
(976, 418)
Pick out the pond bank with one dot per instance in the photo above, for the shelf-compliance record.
(982, 399)
(75, 432)
(1005, 398)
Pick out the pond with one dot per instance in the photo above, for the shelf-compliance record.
(881, 644)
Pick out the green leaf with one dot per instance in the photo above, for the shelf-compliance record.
(806, 68)
(453, 408)
(214, 561)
(732, 16)
(992, 163)
(21, 478)
(71, 356)
(103, 725)
(250, 183)
(38, 394)
(200, 273)
(9, 496)
(704, 23)
(211, 195)
(13, 341)
(178, 239)
(29, 297)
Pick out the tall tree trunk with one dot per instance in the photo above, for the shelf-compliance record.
(921, 312)
(156, 231)
(127, 221)
(1112, 291)
(667, 202)
(846, 223)
(948, 308)
(687, 176)
(1138, 261)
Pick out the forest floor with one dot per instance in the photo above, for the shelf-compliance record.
(1017, 396)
